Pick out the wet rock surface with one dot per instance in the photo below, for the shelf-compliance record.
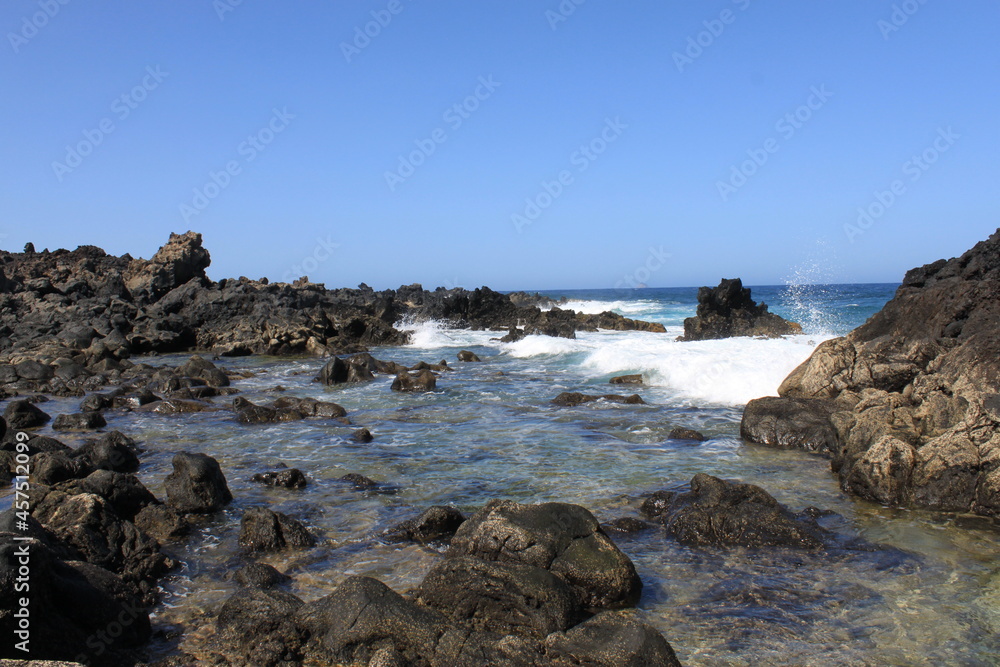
(724, 513)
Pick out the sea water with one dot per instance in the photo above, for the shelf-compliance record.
(931, 596)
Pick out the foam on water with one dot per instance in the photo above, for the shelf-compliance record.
(431, 335)
(626, 308)
(726, 372)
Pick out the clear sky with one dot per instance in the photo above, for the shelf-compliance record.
(518, 144)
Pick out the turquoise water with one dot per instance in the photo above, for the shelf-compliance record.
(931, 598)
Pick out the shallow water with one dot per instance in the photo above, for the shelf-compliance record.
(932, 597)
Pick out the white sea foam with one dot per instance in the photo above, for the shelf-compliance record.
(626, 308)
(431, 334)
(730, 371)
(727, 372)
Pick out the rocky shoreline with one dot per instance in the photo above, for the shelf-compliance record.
(907, 406)
(512, 584)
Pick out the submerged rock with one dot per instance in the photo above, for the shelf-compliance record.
(681, 433)
(572, 398)
(437, 523)
(289, 478)
(908, 404)
(626, 379)
(423, 380)
(80, 421)
(724, 513)
(728, 310)
(467, 355)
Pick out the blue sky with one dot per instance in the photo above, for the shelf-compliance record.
(593, 145)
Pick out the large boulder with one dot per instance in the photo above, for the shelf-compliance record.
(723, 513)
(911, 397)
(420, 381)
(78, 612)
(90, 524)
(611, 639)
(196, 484)
(794, 423)
(363, 615)
(564, 539)
(503, 597)
(339, 371)
(728, 310)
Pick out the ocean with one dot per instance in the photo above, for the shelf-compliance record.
(931, 596)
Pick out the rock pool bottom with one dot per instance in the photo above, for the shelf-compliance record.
(490, 432)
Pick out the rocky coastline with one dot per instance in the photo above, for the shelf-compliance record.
(906, 408)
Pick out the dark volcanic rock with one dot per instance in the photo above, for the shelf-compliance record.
(362, 435)
(610, 639)
(339, 371)
(262, 529)
(79, 421)
(572, 398)
(196, 484)
(728, 310)
(916, 389)
(256, 627)
(23, 414)
(162, 522)
(467, 355)
(420, 381)
(719, 512)
(289, 478)
(438, 522)
(113, 451)
(681, 433)
(363, 615)
(260, 575)
(626, 379)
(71, 603)
(796, 423)
(564, 539)
(502, 597)
(90, 524)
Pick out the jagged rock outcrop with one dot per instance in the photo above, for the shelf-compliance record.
(908, 404)
(728, 310)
